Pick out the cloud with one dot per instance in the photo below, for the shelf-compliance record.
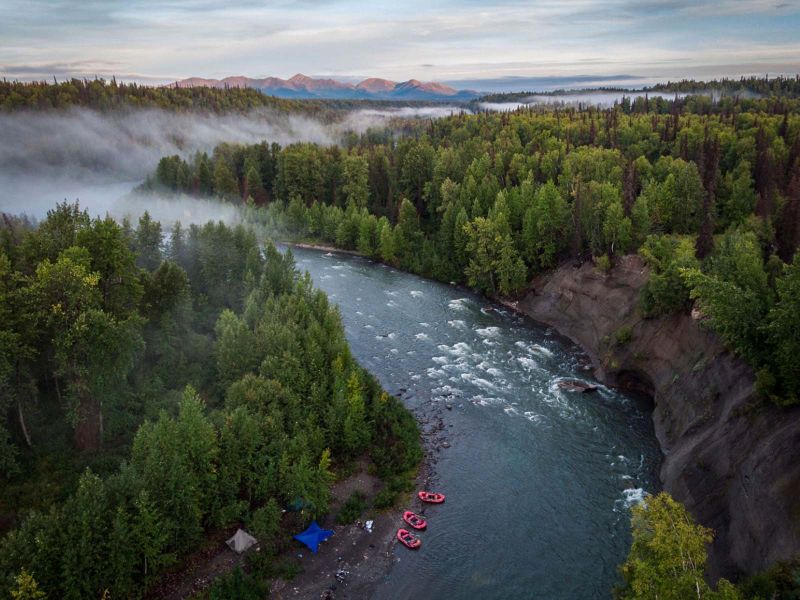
(454, 39)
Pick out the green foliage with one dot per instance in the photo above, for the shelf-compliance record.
(386, 498)
(665, 290)
(352, 509)
(236, 584)
(668, 555)
(734, 293)
(230, 367)
(26, 588)
(494, 264)
(546, 226)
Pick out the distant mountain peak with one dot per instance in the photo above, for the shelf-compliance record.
(376, 84)
(303, 86)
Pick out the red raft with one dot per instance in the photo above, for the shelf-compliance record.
(408, 539)
(431, 497)
(414, 520)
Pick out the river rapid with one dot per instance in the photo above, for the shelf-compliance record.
(539, 481)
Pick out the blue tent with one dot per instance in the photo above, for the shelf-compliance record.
(312, 536)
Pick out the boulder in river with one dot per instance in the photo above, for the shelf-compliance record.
(573, 385)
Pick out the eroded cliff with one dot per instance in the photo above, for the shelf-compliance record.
(730, 458)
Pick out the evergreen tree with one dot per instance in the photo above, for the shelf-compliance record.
(225, 184)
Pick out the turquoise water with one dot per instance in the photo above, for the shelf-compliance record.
(539, 481)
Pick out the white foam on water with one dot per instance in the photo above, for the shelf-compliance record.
(416, 293)
(422, 336)
(423, 324)
(458, 367)
(458, 304)
(460, 349)
(633, 496)
(488, 332)
(442, 360)
(528, 363)
(326, 276)
(394, 351)
(494, 372)
(390, 292)
(445, 391)
(532, 416)
(392, 335)
(338, 267)
(359, 313)
(368, 326)
(436, 373)
(327, 254)
(510, 410)
(483, 365)
(541, 350)
(457, 323)
(480, 382)
(391, 304)
(485, 401)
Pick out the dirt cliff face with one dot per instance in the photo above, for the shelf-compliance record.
(731, 459)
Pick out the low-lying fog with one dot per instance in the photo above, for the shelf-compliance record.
(600, 99)
(98, 158)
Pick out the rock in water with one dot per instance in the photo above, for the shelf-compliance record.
(573, 385)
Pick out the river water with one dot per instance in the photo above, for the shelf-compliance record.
(539, 481)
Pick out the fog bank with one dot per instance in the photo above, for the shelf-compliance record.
(97, 158)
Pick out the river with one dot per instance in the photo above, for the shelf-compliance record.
(539, 481)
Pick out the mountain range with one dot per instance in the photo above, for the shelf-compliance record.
(302, 87)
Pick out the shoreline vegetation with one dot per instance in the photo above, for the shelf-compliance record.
(181, 388)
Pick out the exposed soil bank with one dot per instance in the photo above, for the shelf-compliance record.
(731, 460)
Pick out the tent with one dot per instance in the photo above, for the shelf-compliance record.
(241, 541)
(312, 536)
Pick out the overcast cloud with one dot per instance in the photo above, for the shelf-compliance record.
(452, 40)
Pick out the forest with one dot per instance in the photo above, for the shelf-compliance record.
(109, 95)
(156, 386)
(706, 191)
(744, 87)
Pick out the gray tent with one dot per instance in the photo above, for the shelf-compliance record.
(241, 541)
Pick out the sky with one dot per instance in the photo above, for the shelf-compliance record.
(494, 44)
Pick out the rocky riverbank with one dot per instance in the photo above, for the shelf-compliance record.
(730, 458)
